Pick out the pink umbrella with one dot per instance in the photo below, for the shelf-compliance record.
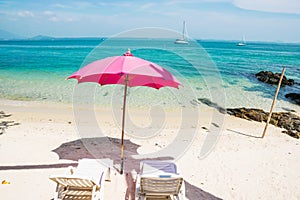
(129, 71)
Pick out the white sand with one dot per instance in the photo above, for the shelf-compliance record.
(239, 166)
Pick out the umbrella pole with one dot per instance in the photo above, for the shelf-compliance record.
(123, 125)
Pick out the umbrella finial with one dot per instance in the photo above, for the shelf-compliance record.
(128, 53)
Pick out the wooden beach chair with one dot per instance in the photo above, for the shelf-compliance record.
(159, 180)
(84, 182)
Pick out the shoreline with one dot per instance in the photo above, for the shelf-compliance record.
(239, 163)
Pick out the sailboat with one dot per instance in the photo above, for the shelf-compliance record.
(242, 43)
(182, 40)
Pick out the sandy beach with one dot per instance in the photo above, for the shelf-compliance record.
(239, 164)
(196, 83)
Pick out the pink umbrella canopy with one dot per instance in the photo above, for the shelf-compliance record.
(114, 70)
(129, 71)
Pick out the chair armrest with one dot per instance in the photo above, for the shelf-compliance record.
(70, 170)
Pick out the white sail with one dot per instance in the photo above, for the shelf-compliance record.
(243, 42)
(182, 40)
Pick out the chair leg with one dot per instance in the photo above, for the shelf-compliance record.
(101, 193)
(140, 197)
(107, 178)
(58, 195)
(181, 195)
(95, 195)
(55, 195)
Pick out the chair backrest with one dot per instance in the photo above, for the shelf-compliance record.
(152, 166)
(160, 186)
(78, 182)
(91, 168)
(88, 173)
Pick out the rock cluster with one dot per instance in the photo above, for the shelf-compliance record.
(271, 78)
(212, 104)
(287, 120)
(295, 97)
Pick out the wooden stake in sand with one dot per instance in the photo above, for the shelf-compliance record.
(273, 103)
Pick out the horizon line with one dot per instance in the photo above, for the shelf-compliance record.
(46, 37)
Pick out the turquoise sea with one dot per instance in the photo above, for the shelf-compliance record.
(35, 70)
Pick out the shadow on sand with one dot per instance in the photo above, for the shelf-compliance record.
(244, 134)
(105, 147)
(17, 167)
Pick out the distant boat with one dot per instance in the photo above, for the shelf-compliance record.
(242, 43)
(182, 40)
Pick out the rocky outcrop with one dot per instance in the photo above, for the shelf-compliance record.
(287, 120)
(249, 113)
(295, 97)
(212, 104)
(271, 78)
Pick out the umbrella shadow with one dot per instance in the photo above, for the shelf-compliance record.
(107, 147)
(96, 147)
(99, 148)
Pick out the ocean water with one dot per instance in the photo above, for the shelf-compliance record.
(217, 70)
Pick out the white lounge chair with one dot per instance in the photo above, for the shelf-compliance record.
(159, 180)
(84, 182)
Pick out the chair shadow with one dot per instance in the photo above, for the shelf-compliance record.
(244, 134)
(106, 147)
(130, 191)
(192, 192)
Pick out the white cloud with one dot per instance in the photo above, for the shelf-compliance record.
(54, 19)
(147, 5)
(69, 20)
(58, 5)
(119, 4)
(47, 12)
(82, 5)
(25, 13)
(217, 0)
(277, 6)
(61, 18)
(176, 2)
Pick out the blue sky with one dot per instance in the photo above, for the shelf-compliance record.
(258, 20)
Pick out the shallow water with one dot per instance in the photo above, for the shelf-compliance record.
(217, 70)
